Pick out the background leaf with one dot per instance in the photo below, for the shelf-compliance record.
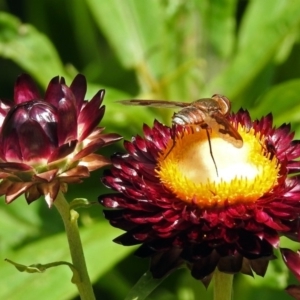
(19, 42)
(158, 49)
(99, 257)
(274, 21)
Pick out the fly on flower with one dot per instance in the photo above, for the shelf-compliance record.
(169, 200)
(207, 113)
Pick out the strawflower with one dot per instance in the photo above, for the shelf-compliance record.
(206, 204)
(48, 142)
(45, 144)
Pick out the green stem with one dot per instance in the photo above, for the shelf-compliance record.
(143, 288)
(222, 286)
(70, 217)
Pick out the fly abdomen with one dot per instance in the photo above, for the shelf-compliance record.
(180, 119)
(188, 116)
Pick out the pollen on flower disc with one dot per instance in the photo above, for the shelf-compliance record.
(226, 175)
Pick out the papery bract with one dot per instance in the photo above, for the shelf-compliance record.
(48, 142)
(184, 211)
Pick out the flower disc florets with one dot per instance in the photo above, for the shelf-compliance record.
(192, 197)
(47, 143)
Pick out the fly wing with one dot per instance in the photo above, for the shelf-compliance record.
(154, 103)
(225, 130)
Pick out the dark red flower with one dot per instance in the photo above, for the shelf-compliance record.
(203, 203)
(48, 142)
(292, 260)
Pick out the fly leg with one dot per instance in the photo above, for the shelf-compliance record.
(173, 130)
(210, 151)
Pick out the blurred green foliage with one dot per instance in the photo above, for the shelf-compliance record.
(156, 49)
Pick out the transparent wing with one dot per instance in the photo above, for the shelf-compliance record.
(154, 103)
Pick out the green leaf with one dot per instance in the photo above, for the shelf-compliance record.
(264, 27)
(282, 101)
(29, 48)
(19, 223)
(144, 287)
(100, 252)
(126, 25)
(220, 25)
(259, 16)
(34, 52)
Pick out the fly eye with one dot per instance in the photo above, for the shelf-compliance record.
(224, 105)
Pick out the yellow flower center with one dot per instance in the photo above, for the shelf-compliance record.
(220, 174)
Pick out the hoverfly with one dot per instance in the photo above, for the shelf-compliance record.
(207, 113)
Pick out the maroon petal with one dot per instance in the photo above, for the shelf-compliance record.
(32, 194)
(10, 147)
(78, 88)
(165, 262)
(54, 92)
(33, 141)
(272, 238)
(79, 171)
(4, 186)
(50, 190)
(292, 260)
(110, 201)
(46, 116)
(259, 266)
(91, 115)
(246, 267)
(91, 147)
(67, 119)
(17, 167)
(204, 267)
(95, 161)
(47, 176)
(15, 190)
(5, 106)
(62, 151)
(110, 138)
(294, 167)
(231, 264)
(25, 89)
(294, 291)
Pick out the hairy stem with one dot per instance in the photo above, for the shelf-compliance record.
(70, 217)
(222, 286)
